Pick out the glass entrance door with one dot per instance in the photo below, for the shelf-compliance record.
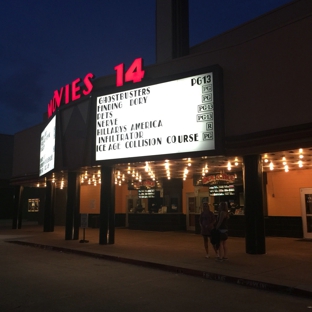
(306, 208)
(194, 203)
(191, 210)
(132, 201)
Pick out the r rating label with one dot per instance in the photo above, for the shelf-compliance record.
(209, 126)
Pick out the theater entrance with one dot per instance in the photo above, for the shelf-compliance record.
(306, 208)
(194, 202)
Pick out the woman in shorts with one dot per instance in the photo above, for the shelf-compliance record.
(222, 227)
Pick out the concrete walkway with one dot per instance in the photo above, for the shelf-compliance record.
(286, 266)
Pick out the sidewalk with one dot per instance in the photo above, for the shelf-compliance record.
(286, 267)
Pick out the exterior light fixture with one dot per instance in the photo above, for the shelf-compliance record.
(229, 165)
(236, 161)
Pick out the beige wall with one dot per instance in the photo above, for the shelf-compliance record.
(90, 199)
(283, 191)
(121, 193)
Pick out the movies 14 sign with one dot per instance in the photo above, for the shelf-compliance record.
(47, 148)
(166, 118)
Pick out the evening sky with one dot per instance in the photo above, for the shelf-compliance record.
(45, 45)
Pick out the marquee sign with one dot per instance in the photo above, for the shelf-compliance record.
(176, 116)
(47, 148)
(135, 73)
(70, 93)
(216, 178)
(82, 87)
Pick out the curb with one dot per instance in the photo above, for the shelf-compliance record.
(294, 291)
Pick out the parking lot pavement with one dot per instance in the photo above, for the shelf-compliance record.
(285, 267)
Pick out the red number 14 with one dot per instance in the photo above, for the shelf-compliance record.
(135, 73)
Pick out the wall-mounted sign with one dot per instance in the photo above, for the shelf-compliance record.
(222, 190)
(150, 193)
(82, 87)
(135, 73)
(170, 117)
(47, 148)
(217, 178)
(33, 204)
(71, 92)
(145, 184)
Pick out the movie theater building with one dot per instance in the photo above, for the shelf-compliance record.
(226, 120)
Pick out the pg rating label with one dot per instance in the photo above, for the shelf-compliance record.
(208, 136)
(205, 107)
(204, 117)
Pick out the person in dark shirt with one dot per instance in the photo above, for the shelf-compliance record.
(206, 221)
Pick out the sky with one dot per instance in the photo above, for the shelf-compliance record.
(45, 45)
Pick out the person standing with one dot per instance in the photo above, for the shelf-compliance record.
(222, 227)
(207, 221)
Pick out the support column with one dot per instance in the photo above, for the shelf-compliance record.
(72, 207)
(48, 219)
(18, 209)
(107, 207)
(254, 216)
(172, 29)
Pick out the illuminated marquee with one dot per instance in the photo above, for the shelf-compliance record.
(216, 178)
(135, 73)
(71, 92)
(74, 91)
(170, 117)
(47, 148)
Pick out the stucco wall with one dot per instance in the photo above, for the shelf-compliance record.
(283, 191)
